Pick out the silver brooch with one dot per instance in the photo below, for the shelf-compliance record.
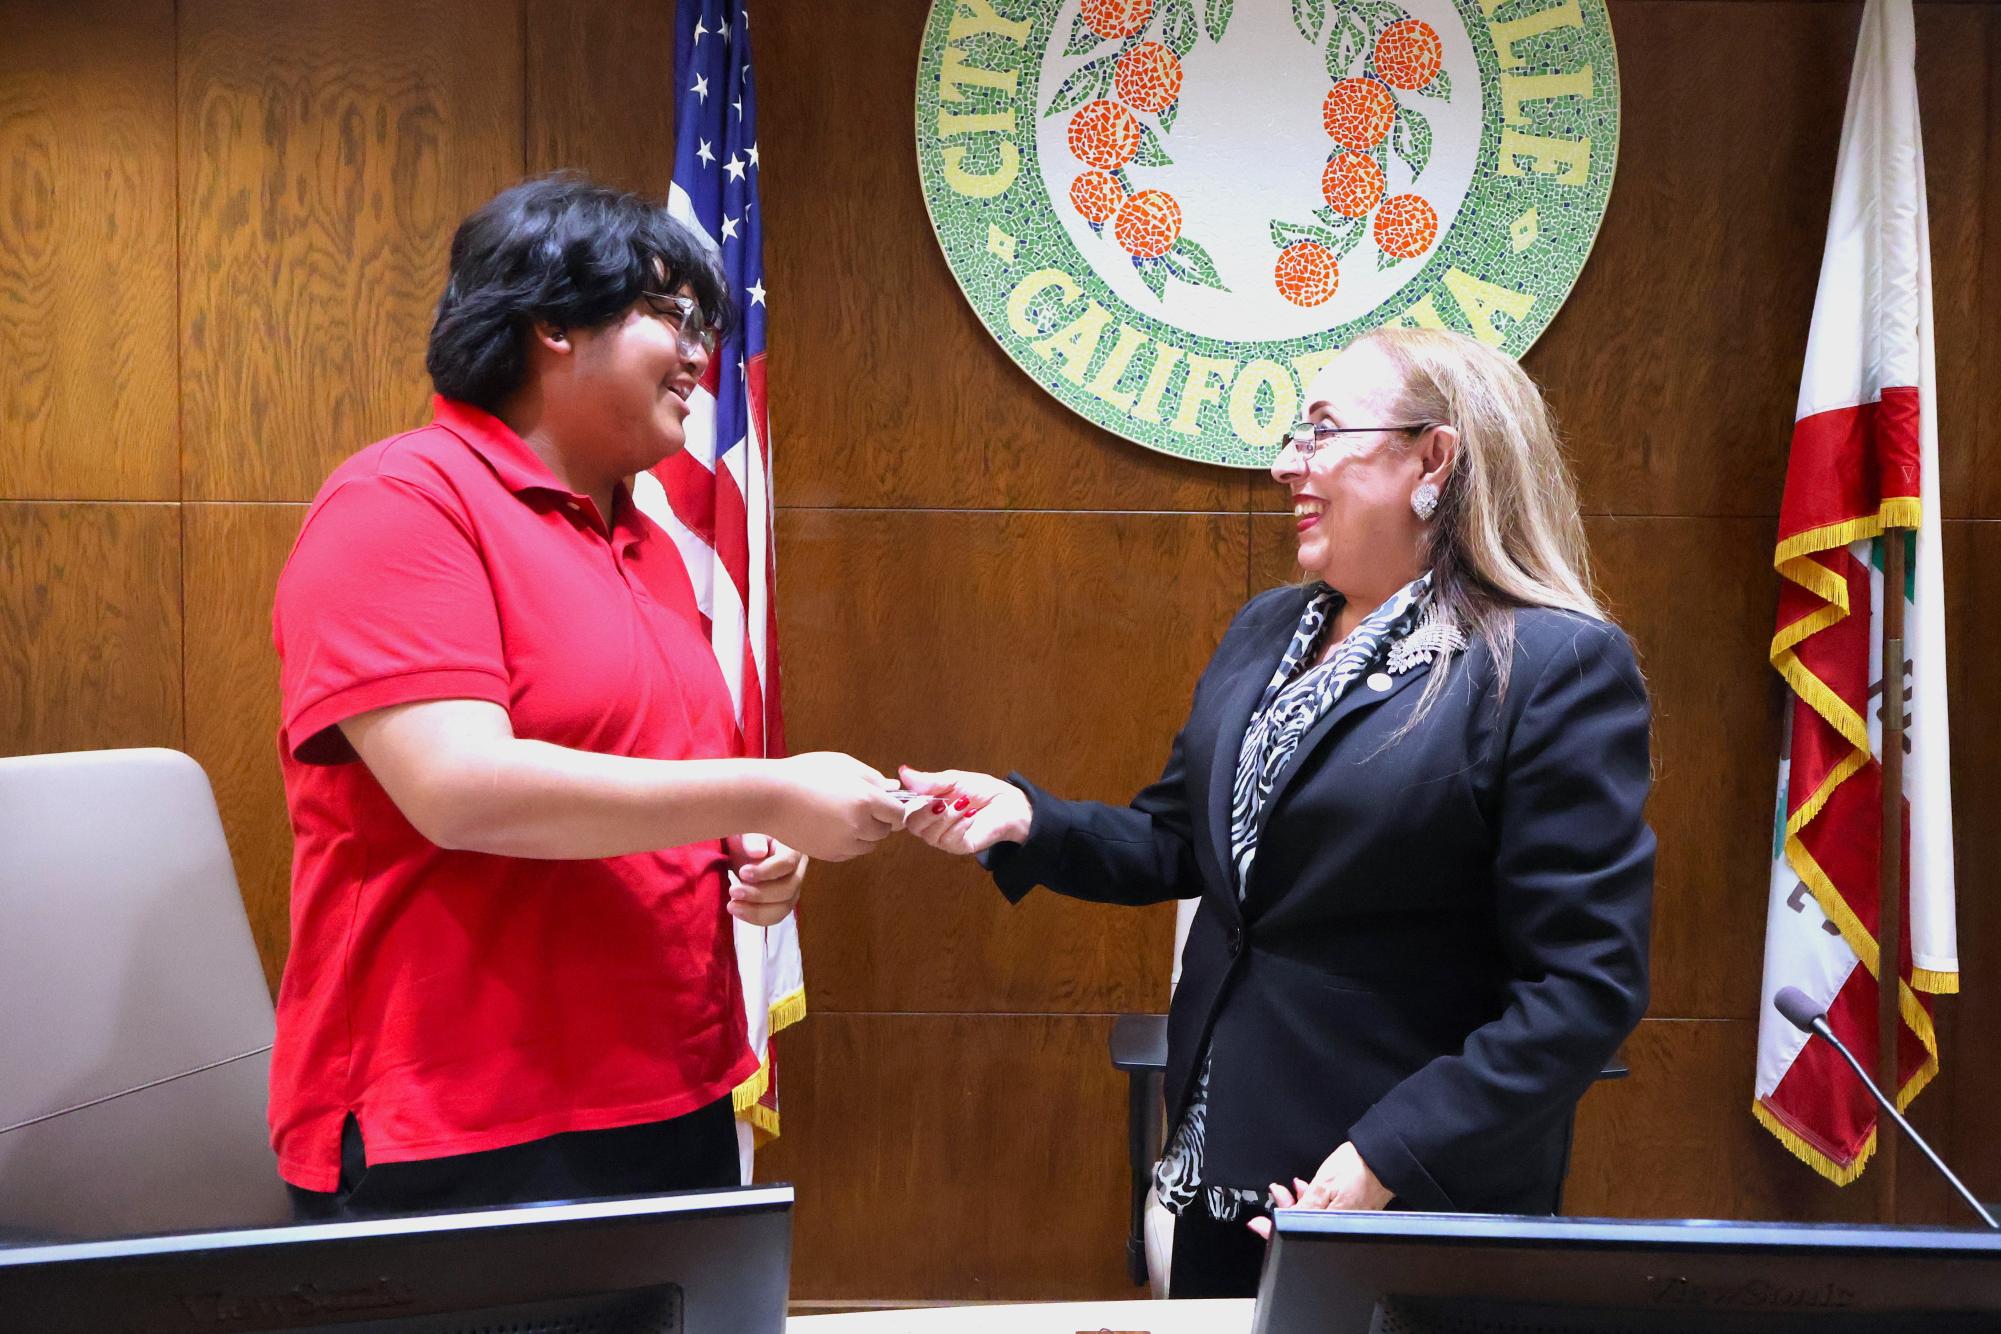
(1433, 636)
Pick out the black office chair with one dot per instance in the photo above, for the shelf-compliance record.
(1139, 1047)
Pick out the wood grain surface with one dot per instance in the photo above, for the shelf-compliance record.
(90, 617)
(1692, 595)
(234, 553)
(1676, 1140)
(88, 384)
(1979, 438)
(1969, 1022)
(596, 91)
(1062, 645)
(1675, 365)
(325, 160)
(1960, 99)
(954, 1157)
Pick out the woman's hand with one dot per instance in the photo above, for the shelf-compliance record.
(968, 813)
(765, 878)
(1344, 1181)
(832, 805)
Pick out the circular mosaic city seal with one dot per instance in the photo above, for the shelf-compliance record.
(1170, 213)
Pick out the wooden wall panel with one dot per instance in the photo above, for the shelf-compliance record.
(1970, 1082)
(953, 1157)
(90, 620)
(1698, 601)
(1675, 365)
(886, 390)
(1980, 437)
(599, 96)
(325, 160)
(1274, 550)
(230, 575)
(1958, 119)
(1066, 646)
(1676, 1138)
(87, 336)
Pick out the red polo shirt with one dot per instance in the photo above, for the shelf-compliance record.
(459, 1001)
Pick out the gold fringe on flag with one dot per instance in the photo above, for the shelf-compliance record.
(1792, 559)
(746, 1099)
(1935, 982)
(1846, 1174)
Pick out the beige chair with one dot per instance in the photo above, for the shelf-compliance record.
(135, 1028)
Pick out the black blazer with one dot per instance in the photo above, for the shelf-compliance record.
(1444, 936)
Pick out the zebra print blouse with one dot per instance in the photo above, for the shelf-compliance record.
(1399, 634)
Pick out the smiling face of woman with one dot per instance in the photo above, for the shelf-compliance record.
(1352, 499)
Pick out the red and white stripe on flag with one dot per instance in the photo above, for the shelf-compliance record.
(714, 497)
(1864, 460)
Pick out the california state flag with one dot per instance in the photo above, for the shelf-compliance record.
(1864, 457)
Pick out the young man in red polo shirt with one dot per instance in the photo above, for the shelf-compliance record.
(511, 761)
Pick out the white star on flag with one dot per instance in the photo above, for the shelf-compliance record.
(714, 497)
(700, 87)
(700, 32)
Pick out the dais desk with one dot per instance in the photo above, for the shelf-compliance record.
(1192, 1317)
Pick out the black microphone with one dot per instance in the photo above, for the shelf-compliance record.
(1801, 1014)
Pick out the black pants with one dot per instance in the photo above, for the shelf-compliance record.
(1214, 1259)
(693, 1152)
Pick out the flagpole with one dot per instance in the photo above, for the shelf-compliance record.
(1890, 886)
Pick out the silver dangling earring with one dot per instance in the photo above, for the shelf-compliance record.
(1424, 501)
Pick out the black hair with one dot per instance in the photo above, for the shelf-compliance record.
(563, 249)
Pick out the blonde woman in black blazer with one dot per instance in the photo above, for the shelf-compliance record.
(1412, 811)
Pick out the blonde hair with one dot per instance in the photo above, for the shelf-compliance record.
(1507, 532)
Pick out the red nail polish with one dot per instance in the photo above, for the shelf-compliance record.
(937, 808)
(962, 803)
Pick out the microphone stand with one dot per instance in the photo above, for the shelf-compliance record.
(1820, 1028)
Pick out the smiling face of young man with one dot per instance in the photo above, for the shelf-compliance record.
(613, 400)
(630, 385)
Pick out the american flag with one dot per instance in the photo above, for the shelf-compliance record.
(714, 497)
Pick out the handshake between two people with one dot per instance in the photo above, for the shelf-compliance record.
(834, 807)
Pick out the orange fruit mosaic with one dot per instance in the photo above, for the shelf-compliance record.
(1097, 195)
(1149, 223)
(1408, 54)
(1357, 113)
(1306, 274)
(1352, 183)
(1104, 134)
(1148, 77)
(1117, 18)
(1406, 225)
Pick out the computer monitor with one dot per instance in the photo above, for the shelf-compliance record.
(1411, 1273)
(711, 1262)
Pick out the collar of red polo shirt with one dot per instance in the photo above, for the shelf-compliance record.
(522, 471)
